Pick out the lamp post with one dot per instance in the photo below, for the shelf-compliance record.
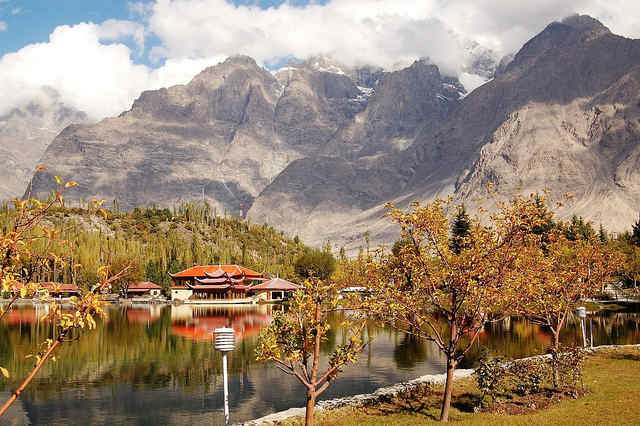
(225, 342)
(582, 314)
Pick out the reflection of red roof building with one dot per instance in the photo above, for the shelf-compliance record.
(245, 324)
(20, 316)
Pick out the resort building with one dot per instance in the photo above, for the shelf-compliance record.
(214, 283)
(58, 290)
(274, 290)
(142, 289)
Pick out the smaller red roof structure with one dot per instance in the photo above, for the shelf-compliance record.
(52, 287)
(143, 286)
(276, 284)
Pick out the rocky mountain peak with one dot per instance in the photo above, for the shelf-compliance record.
(585, 23)
(25, 132)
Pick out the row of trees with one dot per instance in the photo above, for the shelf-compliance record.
(156, 241)
(443, 281)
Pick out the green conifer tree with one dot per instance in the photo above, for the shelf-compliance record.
(459, 229)
(635, 234)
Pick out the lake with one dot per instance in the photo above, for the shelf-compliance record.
(153, 364)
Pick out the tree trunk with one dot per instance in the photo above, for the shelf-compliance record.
(311, 406)
(554, 355)
(448, 389)
(311, 391)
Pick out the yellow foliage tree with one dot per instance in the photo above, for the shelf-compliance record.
(444, 286)
(293, 339)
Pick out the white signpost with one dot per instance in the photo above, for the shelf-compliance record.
(582, 314)
(225, 342)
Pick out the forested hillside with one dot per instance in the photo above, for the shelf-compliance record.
(157, 241)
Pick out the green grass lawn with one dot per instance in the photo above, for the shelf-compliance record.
(612, 379)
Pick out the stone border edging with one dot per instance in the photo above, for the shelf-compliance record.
(385, 393)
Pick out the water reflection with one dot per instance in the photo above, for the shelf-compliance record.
(155, 364)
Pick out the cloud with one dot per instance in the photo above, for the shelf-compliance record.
(3, 26)
(113, 29)
(368, 31)
(94, 70)
(89, 68)
(351, 31)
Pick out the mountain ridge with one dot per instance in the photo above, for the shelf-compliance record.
(311, 151)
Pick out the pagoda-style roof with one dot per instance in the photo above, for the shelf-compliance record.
(218, 271)
(209, 287)
(142, 286)
(221, 280)
(277, 284)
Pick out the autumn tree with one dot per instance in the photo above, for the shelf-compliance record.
(449, 277)
(315, 263)
(294, 338)
(23, 237)
(561, 274)
(80, 315)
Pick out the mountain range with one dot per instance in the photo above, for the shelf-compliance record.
(25, 133)
(317, 149)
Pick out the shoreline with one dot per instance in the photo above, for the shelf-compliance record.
(386, 392)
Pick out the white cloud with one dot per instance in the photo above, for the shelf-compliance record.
(113, 29)
(368, 31)
(3, 26)
(93, 70)
(90, 70)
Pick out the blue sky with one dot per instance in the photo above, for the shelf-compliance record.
(31, 21)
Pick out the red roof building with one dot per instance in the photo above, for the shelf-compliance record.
(143, 288)
(60, 290)
(213, 282)
(275, 289)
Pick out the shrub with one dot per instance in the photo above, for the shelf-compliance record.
(569, 362)
(528, 375)
(491, 376)
(414, 398)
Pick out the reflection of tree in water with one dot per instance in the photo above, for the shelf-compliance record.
(410, 351)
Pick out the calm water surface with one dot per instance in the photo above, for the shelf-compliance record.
(155, 365)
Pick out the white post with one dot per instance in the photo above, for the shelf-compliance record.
(225, 342)
(225, 382)
(582, 314)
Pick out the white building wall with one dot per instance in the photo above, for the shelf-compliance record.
(180, 294)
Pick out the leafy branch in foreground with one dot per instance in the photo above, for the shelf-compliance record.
(82, 315)
(294, 338)
(28, 239)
